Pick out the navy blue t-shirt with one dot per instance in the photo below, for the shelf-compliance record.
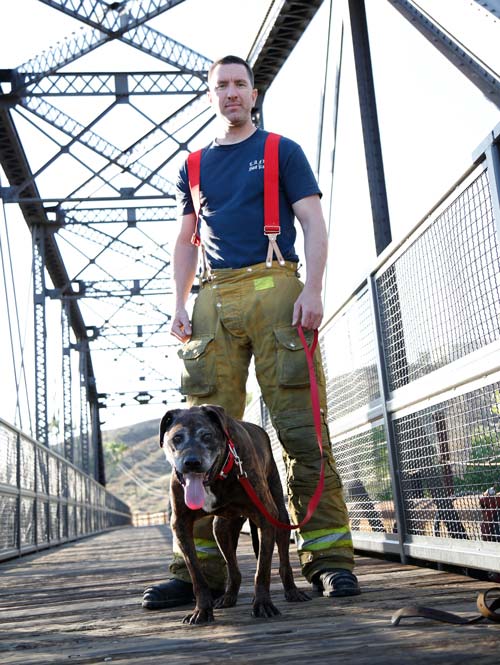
(232, 199)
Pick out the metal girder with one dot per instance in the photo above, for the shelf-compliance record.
(84, 407)
(138, 331)
(133, 398)
(117, 84)
(129, 216)
(67, 384)
(286, 21)
(112, 15)
(114, 244)
(484, 78)
(25, 96)
(115, 288)
(72, 128)
(493, 6)
(39, 292)
(369, 123)
(107, 21)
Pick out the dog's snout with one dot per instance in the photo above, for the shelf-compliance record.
(192, 464)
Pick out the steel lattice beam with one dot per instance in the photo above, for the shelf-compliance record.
(130, 215)
(115, 288)
(25, 93)
(116, 84)
(286, 22)
(67, 384)
(493, 6)
(106, 22)
(484, 78)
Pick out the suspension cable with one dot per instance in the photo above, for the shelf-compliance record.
(22, 369)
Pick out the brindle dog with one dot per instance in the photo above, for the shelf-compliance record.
(195, 441)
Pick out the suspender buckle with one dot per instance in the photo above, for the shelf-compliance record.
(273, 249)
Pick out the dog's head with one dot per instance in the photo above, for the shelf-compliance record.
(194, 441)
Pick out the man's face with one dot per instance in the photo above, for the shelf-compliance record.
(231, 94)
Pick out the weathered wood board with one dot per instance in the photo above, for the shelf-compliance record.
(80, 603)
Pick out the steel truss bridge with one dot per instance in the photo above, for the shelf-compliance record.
(101, 210)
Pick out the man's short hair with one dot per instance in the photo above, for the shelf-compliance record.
(232, 60)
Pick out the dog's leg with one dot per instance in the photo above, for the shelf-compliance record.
(292, 593)
(203, 612)
(226, 534)
(262, 604)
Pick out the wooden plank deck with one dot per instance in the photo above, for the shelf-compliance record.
(80, 603)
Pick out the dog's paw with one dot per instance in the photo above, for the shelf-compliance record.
(199, 617)
(226, 600)
(263, 609)
(296, 596)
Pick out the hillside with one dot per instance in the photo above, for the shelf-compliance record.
(137, 473)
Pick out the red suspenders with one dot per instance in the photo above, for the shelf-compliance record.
(193, 167)
(271, 194)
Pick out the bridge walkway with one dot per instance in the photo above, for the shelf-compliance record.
(80, 603)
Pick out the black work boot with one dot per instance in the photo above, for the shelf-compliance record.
(173, 593)
(336, 583)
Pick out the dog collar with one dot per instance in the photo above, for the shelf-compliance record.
(232, 457)
(228, 464)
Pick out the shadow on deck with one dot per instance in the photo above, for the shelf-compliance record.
(80, 603)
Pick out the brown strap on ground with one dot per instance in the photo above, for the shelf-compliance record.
(489, 609)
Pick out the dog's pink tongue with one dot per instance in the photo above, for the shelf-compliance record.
(194, 491)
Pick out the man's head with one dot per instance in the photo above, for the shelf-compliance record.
(230, 90)
(232, 60)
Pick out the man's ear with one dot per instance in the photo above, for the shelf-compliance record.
(165, 423)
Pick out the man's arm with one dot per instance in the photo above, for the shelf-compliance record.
(185, 264)
(308, 308)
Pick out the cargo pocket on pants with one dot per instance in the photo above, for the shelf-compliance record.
(198, 376)
(291, 362)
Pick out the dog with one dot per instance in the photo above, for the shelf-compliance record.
(196, 444)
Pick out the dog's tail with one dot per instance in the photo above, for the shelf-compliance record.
(255, 539)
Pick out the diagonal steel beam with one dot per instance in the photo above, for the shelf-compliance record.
(115, 244)
(112, 24)
(73, 128)
(484, 78)
(112, 16)
(493, 6)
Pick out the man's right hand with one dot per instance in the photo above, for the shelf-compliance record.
(181, 326)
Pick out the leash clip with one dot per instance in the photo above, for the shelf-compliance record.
(241, 474)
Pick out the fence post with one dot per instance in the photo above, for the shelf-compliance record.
(388, 425)
(18, 502)
(492, 154)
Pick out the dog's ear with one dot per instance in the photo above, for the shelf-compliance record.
(165, 423)
(217, 414)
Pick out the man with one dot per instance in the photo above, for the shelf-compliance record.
(246, 308)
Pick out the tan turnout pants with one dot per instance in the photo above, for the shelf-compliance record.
(248, 312)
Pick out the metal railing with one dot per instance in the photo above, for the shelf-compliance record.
(47, 501)
(412, 362)
(150, 519)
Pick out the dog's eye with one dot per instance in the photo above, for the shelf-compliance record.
(207, 437)
(177, 438)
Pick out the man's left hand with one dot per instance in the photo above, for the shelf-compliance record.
(308, 310)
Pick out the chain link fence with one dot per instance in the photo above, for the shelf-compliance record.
(412, 363)
(45, 500)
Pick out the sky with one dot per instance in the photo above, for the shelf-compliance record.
(431, 120)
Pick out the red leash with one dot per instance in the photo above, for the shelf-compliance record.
(271, 230)
(313, 503)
